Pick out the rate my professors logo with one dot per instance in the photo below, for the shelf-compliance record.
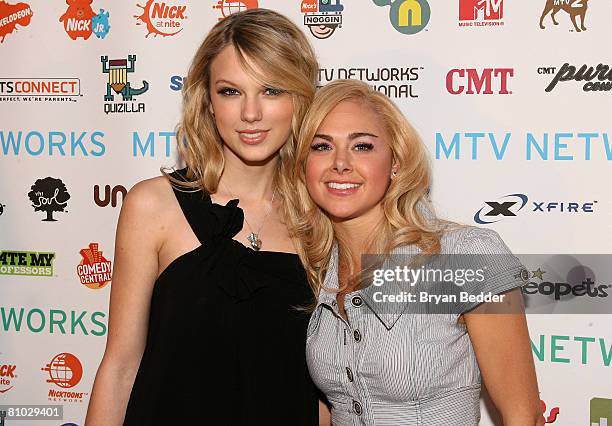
(118, 84)
(94, 270)
(227, 7)
(80, 21)
(30, 263)
(65, 371)
(322, 17)
(161, 18)
(12, 15)
(407, 16)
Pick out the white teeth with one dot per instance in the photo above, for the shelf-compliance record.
(336, 185)
(251, 135)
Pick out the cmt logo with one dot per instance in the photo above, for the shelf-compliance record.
(81, 21)
(227, 7)
(407, 16)
(161, 18)
(575, 9)
(322, 17)
(479, 82)
(94, 270)
(12, 15)
(49, 195)
(549, 417)
(111, 195)
(481, 13)
(601, 73)
(118, 70)
(31, 263)
(600, 413)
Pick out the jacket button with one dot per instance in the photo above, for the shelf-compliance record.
(358, 408)
(349, 374)
(357, 301)
(357, 336)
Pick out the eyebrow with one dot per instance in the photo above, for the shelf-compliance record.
(223, 81)
(351, 136)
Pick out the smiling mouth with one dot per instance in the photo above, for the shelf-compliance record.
(253, 137)
(342, 186)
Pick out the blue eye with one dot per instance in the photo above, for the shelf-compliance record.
(273, 92)
(228, 91)
(321, 146)
(364, 147)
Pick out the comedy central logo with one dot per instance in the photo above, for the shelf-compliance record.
(322, 17)
(94, 270)
(407, 16)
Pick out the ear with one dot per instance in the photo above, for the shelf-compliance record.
(210, 109)
(395, 165)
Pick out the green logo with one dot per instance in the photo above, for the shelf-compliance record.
(407, 16)
(31, 263)
(601, 412)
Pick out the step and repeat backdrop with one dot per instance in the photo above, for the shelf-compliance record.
(512, 99)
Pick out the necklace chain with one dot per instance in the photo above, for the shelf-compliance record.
(253, 237)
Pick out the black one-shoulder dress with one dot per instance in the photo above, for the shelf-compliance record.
(225, 344)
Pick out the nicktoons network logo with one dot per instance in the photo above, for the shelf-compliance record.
(407, 16)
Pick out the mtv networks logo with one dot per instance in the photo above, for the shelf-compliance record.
(600, 412)
(12, 15)
(476, 13)
(322, 17)
(80, 21)
(407, 16)
(161, 18)
(227, 7)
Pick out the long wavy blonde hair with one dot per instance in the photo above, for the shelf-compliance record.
(286, 61)
(408, 214)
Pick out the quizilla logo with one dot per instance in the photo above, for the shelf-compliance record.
(49, 195)
(227, 7)
(322, 17)
(407, 16)
(40, 89)
(510, 205)
(474, 13)
(94, 270)
(587, 287)
(602, 73)
(549, 417)
(111, 195)
(12, 15)
(118, 70)
(7, 377)
(81, 21)
(575, 9)
(65, 371)
(600, 413)
(31, 263)
(479, 82)
(161, 18)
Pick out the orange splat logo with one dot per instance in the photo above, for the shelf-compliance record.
(162, 18)
(95, 270)
(12, 15)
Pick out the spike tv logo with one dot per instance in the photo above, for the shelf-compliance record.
(49, 195)
(12, 15)
(161, 18)
(65, 371)
(322, 17)
(117, 71)
(80, 21)
(227, 7)
(574, 8)
(481, 13)
(94, 270)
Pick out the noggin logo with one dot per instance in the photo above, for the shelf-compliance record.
(161, 18)
(118, 70)
(110, 195)
(479, 82)
(12, 15)
(481, 13)
(94, 270)
(575, 9)
(49, 195)
(322, 17)
(227, 7)
(65, 371)
(81, 21)
(550, 417)
(407, 16)
(510, 205)
(600, 412)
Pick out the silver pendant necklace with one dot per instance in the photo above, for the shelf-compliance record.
(253, 237)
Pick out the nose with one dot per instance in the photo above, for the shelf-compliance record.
(342, 161)
(251, 109)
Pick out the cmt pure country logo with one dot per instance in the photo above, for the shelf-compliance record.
(40, 89)
(592, 78)
(30, 263)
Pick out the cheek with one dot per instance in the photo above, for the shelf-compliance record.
(281, 112)
(315, 167)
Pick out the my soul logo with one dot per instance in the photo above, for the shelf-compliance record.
(161, 18)
(407, 16)
(31, 263)
(81, 21)
(49, 195)
(117, 71)
(575, 9)
(12, 15)
(322, 17)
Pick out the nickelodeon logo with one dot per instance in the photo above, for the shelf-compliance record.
(407, 16)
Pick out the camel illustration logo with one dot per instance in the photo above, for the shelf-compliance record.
(117, 70)
(575, 8)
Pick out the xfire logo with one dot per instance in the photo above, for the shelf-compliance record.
(322, 17)
(94, 270)
(600, 412)
(81, 21)
(12, 15)
(118, 70)
(49, 195)
(481, 13)
(479, 82)
(407, 16)
(227, 7)
(575, 8)
(161, 18)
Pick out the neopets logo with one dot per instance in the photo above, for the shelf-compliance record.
(81, 21)
(407, 16)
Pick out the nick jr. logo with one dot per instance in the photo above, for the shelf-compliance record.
(407, 16)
